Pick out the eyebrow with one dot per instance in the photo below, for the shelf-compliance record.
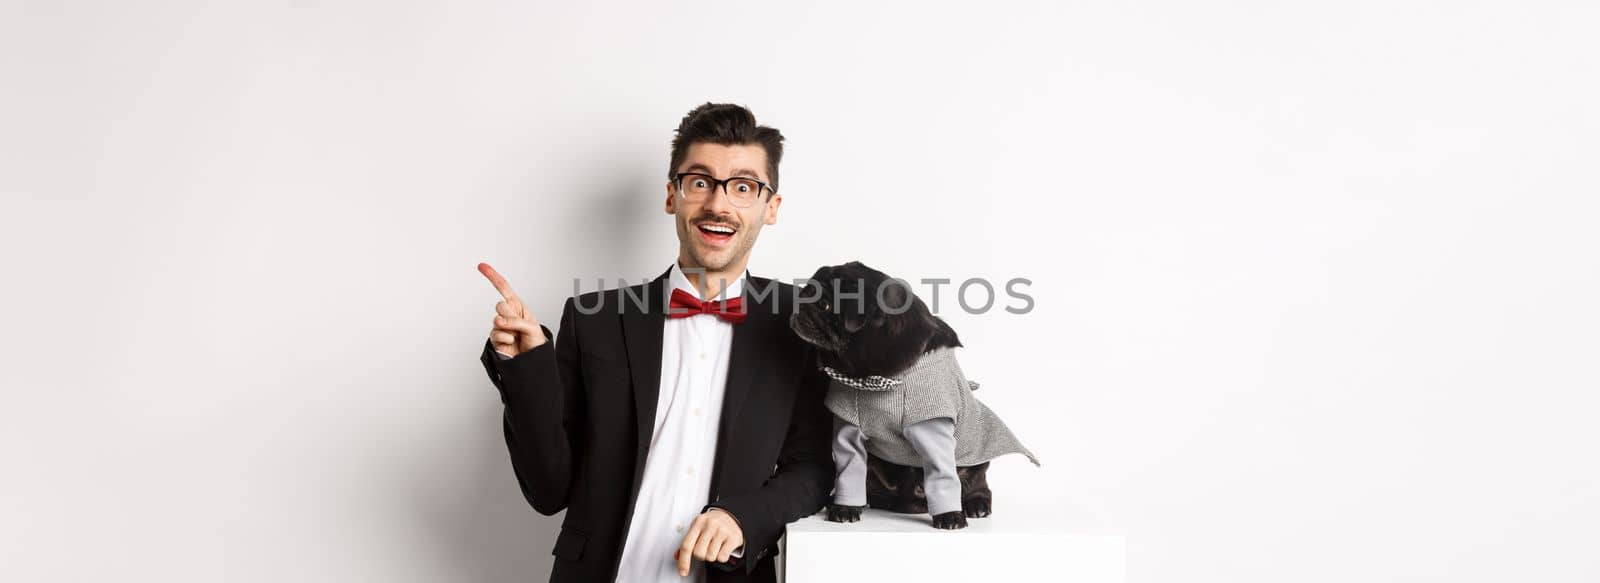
(736, 171)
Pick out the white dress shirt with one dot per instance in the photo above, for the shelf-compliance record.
(683, 444)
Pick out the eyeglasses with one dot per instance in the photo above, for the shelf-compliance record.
(696, 188)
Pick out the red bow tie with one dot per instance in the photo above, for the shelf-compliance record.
(684, 304)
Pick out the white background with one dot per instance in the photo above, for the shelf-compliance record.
(1314, 282)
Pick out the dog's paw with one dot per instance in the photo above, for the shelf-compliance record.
(976, 508)
(952, 520)
(842, 513)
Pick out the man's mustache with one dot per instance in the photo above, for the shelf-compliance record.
(724, 219)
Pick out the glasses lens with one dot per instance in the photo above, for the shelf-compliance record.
(695, 187)
(743, 192)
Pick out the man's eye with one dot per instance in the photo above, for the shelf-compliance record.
(699, 183)
(744, 187)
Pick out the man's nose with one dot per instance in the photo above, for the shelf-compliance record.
(718, 202)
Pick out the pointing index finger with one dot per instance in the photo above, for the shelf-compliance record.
(500, 283)
(686, 550)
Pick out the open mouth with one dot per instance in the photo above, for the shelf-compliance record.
(716, 233)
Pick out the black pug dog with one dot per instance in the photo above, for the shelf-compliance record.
(909, 436)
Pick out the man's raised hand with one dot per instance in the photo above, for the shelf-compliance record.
(515, 329)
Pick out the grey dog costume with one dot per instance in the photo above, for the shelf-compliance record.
(925, 417)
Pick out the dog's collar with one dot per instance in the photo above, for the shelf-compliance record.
(867, 383)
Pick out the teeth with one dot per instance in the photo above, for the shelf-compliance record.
(717, 228)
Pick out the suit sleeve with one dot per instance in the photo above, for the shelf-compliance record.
(800, 484)
(542, 390)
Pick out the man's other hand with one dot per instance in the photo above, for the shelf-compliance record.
(713, 536)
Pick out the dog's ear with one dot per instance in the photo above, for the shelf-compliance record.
(943, 334)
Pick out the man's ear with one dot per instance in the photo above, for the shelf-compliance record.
(672, 198)
(771, 216)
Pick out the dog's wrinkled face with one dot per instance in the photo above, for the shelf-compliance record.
(865, 322)
(831, 305)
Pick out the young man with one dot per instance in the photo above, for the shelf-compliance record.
(678, 421)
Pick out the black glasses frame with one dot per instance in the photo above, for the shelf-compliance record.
(718, 184)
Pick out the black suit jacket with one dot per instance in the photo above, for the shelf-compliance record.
(579, 412)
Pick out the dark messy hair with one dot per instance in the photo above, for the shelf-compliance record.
(726, 124)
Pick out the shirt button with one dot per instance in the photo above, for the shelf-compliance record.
(680, 528)
(702, 356)
(690, 472)
(696, 411)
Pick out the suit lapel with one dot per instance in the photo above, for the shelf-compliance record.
(642, 329)
(749, 353)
